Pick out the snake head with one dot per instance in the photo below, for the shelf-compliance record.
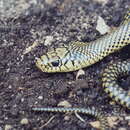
(61, 59)
(54, 61)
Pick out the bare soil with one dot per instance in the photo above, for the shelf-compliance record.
(23, 85)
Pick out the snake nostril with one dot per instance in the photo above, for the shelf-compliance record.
(55, 63)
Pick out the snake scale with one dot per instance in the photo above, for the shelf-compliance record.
(78, 55)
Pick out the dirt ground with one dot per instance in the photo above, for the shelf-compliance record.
(23, 85)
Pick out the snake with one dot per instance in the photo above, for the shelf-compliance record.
(89, 111)
(78, 55)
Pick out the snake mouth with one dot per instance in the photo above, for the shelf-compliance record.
(40, 65)
(47, 68)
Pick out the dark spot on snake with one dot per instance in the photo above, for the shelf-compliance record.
(55, 63)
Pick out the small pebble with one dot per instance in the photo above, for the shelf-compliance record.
(8, 127)
(48, 40)
(101, 1)
(122, 128)
(24, 121)
(67, 118)
(49, 2)
(10, 87)
(80, 72)
(64, 104)
(127, 117)
(40, 97)
(22, 99)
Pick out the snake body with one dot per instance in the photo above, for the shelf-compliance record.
(78, 55)
(111, 85)
(90, 111)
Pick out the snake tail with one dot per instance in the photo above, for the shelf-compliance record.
(90, 111)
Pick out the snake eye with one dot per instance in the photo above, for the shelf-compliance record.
(55, 63)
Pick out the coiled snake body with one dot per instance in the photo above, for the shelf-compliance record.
(78, 55)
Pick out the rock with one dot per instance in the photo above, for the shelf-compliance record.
(8, 127)
(80, 72)
(24, 121)
(122, 128)
(49, 2)
(102, 27)
(101, 1)
(64, 104)
(40, 97)
(48, 40)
